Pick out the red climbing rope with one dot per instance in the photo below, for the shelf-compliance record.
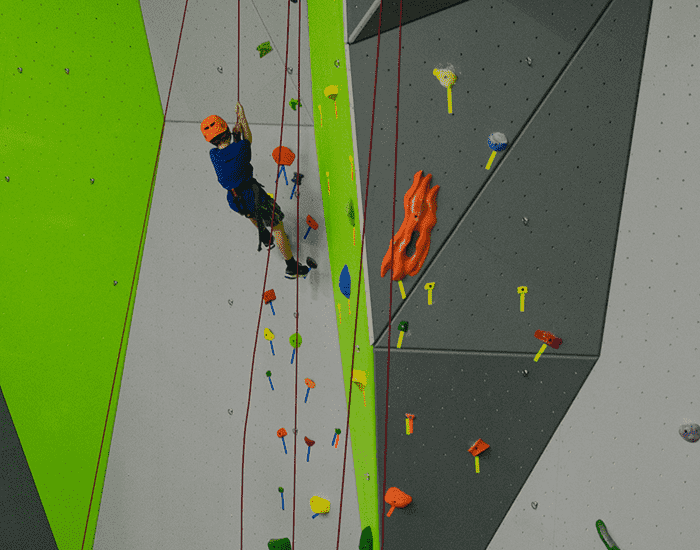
(391, 277)
(267, 265)
(133, 280)
(359, 278)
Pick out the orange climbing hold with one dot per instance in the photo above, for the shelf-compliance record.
(287, 157)
(419, 215)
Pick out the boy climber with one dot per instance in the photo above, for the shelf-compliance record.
(245, 195)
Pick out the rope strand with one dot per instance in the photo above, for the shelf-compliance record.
(262, 301)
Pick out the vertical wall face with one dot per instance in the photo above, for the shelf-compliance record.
(568, 116)
(20, 504)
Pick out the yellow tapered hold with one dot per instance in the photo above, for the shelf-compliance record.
(359, 377)
(476, 462)
(340, 320)
(352, 169)
(537, 357)
(349, 310)
(403, 292)
(522, 302)
(320, 111)
(408, 431)
(447, 78)
(493, 156)
(328, 175)
(398, 346)
(353, 236)
(429, 287)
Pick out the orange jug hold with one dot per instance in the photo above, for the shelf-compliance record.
(397, 499)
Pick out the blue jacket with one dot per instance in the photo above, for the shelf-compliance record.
(234, 170)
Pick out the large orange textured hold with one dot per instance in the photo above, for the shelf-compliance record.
(419, 215)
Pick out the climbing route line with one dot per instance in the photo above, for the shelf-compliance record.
(359, 278)
(133, 282)
(267, 266)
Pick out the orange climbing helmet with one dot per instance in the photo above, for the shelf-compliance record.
(212, 126)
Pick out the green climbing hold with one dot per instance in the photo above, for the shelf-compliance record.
(279, 544)
(350, 211)
(605, 536)
(295, 340)
(294, 102)
(264, 49)
(366, 540)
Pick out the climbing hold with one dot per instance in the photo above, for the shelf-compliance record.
(605, 536)
(264, 49)
(366, 539)
(319, 505)
(534, 506)
(344, 283)
(690, 432)
(419, 216)
(220, 69)
(397, 499)
(279, 544)
(497, 141)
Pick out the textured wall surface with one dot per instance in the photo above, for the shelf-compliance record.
(624, 294)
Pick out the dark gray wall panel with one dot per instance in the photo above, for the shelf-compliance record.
(457, 399)
(591, 106)
(23, 521)
(355, 10)
(412, 11)
(567, 18)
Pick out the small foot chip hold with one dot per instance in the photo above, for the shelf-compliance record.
(605, 536)
(311, 263)
(690, 432)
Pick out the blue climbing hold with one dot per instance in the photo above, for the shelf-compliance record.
(345, 282)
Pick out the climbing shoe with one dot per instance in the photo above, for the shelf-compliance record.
(296, 271)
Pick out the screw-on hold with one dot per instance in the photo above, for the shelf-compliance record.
(295, 431)
(115, 283)
(367, 476)
(525, 221)
(358, 348)
(230, 302)
(295, 314)
(230, 411)
(67, 71)
(525, 372)
(290, 70)
(19, 69)
(220, 69)
(92, 180)
(529, 61)
(534, 506)
(7, 178)
(337, 63)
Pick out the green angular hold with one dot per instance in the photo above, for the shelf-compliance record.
(264, 49)
(350, 211)
(279, 544)
(294, 102)
(403, 326)
(366, 539)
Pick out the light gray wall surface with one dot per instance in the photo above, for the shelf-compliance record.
(173, 478)
(174, 473)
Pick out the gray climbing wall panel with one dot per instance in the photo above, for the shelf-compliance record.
(458, 399)
(23, 521)
(412, 11)
(568, 118)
